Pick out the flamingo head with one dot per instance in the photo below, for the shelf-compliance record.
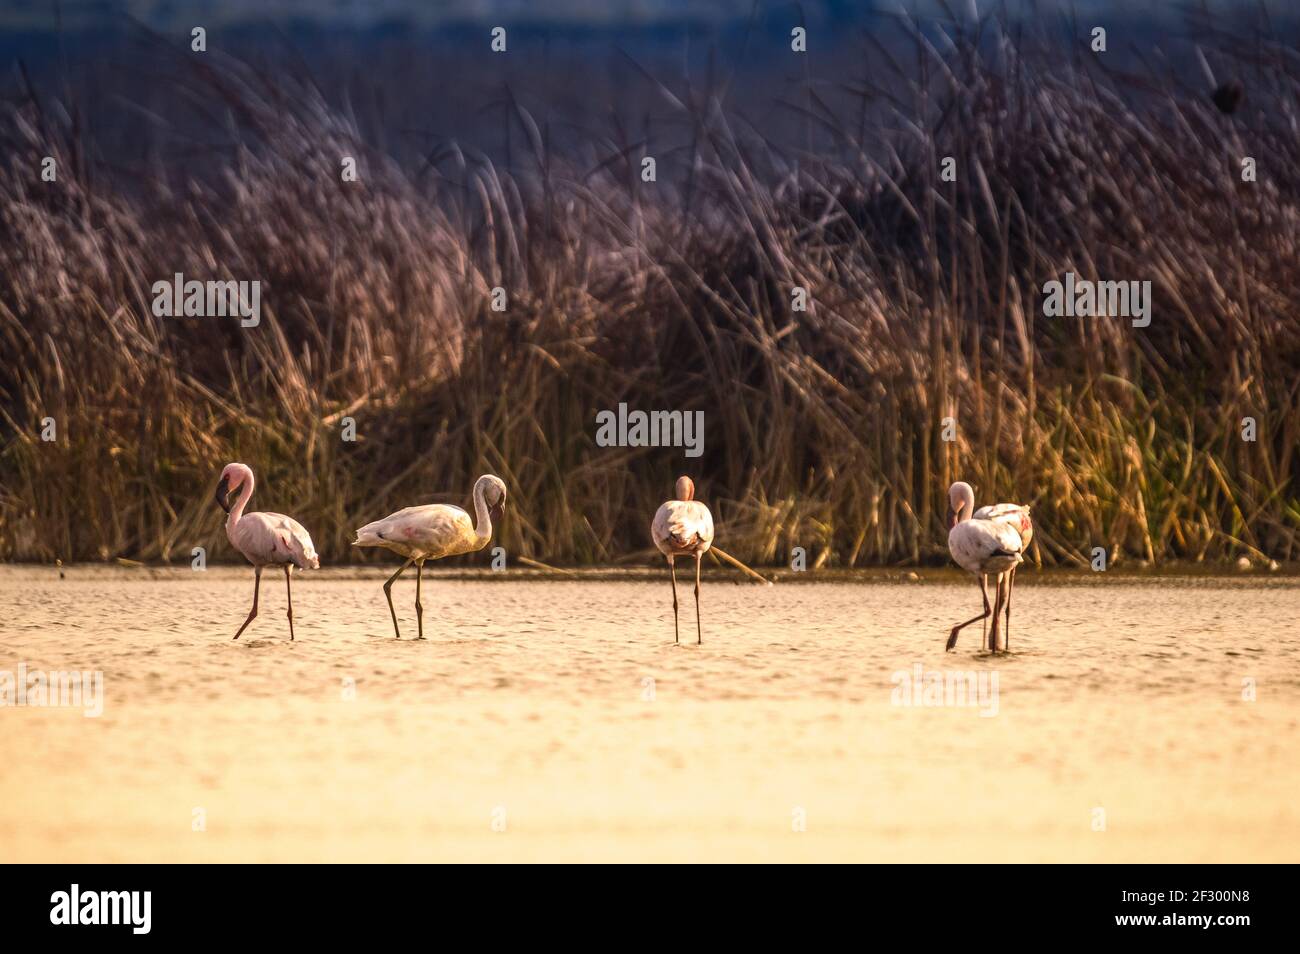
(685, 489)
(493, 489)
(961, 503)
(232, 478)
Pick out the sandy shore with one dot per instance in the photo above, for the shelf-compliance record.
(557, 720)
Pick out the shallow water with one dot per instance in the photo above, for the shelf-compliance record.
(1120, 728)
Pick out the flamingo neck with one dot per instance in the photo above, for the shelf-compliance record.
(245, 493)
(968, 504)
(483, 518)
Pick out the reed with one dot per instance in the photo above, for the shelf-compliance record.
(823, 429)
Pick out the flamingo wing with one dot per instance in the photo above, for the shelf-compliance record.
(682, 526)
(434, 530)
(1017, 515)
(293, 542)
(273, 538)
(985, 546)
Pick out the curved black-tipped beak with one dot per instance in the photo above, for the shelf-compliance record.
(952, 518)
(223, 491)
(497, 511)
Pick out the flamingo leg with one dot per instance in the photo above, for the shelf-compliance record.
(672, 569)
(984, 634)
(952, 637)
(984, 626)
(698, 632)
(995, 633)
(419, 607)
(252, 614)
(288, 590)
(388, 592)
(1006, 636)
(699, 636)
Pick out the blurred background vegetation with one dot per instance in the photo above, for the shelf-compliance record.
(823, 428)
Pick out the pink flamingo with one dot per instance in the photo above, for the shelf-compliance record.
(1017, 516)
(988, 541)
(432, 532)
(263, 538)
(683, 527)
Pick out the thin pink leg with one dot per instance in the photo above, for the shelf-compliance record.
(952, 637)
(995, 633)
(288, 591)
(672, 568)
(252, 614)
(699, 634)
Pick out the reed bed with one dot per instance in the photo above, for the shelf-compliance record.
(824, 428)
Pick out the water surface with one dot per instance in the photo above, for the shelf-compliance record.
(1122, 728)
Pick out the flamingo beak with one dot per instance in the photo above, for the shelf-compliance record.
(223, 491)
(497, 511)
(952, 518)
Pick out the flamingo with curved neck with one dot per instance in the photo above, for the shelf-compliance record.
(432, 532)
(265, 539)
(989, 541)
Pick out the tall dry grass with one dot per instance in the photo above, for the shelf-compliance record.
(824, 428)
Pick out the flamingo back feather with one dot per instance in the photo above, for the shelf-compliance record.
(682, 526)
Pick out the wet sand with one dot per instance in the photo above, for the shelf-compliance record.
(547, 720)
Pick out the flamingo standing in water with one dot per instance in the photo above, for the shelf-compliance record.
(265, 539)
(683, 527)
(1017, 516)
(433, 532)
(988, 541)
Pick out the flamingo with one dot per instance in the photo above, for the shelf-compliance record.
(988, 541)
(683, 527)
(433, 532)
(263, 538)
(1017, 515)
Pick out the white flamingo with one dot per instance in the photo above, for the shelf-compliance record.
(988, 541)
(265, 539)
(432, 532)
(1016, 515)
(683, 527)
